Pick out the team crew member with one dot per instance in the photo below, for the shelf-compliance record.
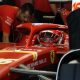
(12, 16)
(43, 7)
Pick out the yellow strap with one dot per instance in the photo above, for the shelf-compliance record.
(34, 53)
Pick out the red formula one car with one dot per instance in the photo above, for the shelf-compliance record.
(37, 46)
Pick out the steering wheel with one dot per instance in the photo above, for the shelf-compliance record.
(50, 37)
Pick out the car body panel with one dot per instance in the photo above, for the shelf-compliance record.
(33, 56)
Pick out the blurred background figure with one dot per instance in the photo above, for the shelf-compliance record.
(44, 8)
(63, 10)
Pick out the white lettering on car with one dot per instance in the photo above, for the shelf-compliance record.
(36, 63)
(7, 61)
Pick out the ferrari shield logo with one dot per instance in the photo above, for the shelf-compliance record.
(52, 56)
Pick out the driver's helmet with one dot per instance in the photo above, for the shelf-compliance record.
(50, 37)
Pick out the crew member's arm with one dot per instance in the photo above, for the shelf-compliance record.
(5, 37)
(54, 8)
(6, 24)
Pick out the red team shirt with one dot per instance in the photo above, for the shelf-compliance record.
(42, 5)
(7, 17)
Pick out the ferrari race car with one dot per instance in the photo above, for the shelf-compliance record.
(36, 46)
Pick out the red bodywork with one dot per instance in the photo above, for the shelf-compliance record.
(34, 56)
